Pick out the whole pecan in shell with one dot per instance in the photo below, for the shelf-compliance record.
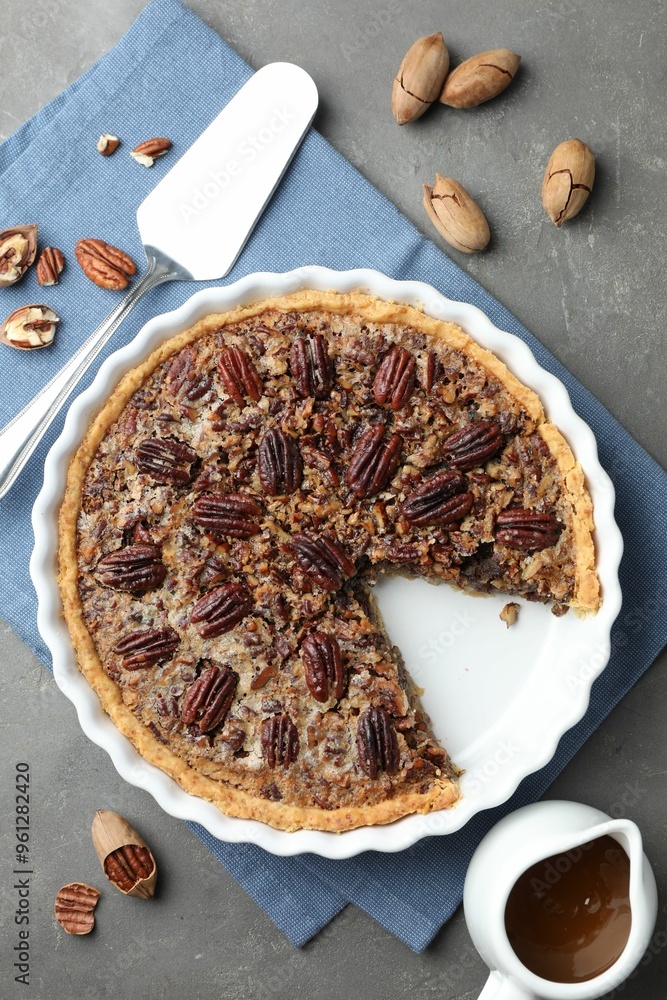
(324, 668)
(221, 609)
(474, 445)
(311, 367)
(280, 741)
(233, 514)
(166, 460)
(105, 265)
(209, 699)
(438, 501)
(530, 530)
(323, 560)
(395, 378)
(374, 461)
(377, 742)
(238, 375)
(134, 568)
(279, 463)
(147, 647)
(50, 264)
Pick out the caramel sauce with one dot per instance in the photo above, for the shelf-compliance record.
(568, 917)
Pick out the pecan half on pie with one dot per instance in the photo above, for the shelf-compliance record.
(230, 508)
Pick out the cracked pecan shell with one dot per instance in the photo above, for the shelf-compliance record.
(311, 367)
(18, 247)
(134, 568)
(125, 856)
(147, 647)
(323, 560)
(233, 514)
(221, 609)
(377, 742)
(395, 378)
(374, 461)
(105, 265)
(239, 376)
(280, 741)
(324, 668)
(166, 461)
(208, 700)
(530, 530)
(439, 500)
(279, 463)
(473, 445)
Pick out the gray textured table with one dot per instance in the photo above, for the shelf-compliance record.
(594, 293)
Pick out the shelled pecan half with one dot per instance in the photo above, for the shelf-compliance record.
(221, 609)
(325, 674)
(134, 568)
(530, 530)
(147, 647)
(49, 265)
(147, 152)
(105, 265)
(323, 560)
(395, 378)
(166, 460)
(377, 742)
(208, 700)
(439, 500)
(473, 445)
(233, 514)
(311, 367)
(75, 907)
(238, 375)
(374, 461)
(280, 741)
(279, 463)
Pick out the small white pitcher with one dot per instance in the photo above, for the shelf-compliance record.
(519, 841)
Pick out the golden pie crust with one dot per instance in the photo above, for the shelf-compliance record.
(364, 313)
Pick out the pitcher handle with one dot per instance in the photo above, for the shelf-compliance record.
(497, 987)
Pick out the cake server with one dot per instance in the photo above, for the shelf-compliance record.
(193, 224)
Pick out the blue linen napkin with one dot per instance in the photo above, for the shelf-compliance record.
(144, 87)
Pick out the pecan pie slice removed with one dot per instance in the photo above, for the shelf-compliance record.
(234, 501)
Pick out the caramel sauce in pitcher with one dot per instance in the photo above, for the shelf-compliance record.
(568, 917)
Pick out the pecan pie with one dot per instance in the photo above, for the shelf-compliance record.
(230, 509)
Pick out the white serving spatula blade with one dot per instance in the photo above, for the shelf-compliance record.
(203, 211)
(193, 224)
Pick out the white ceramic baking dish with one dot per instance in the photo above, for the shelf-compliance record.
(500, 699)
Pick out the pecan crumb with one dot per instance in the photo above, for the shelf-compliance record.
(509, 614)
